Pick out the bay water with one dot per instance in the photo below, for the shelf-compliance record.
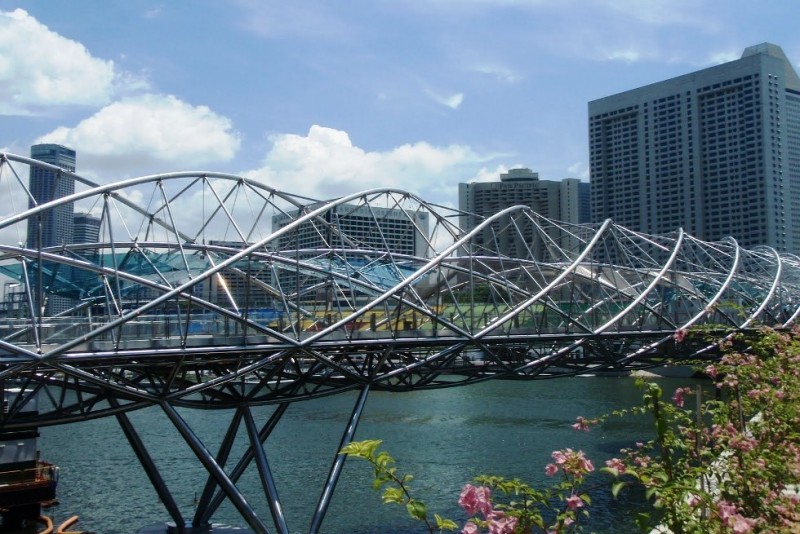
(443, 437)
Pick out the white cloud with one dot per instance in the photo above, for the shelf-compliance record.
(659, 12)
(299, 18)
(578, 170)
(499, 72)
(454, 101)
(153, 13)
(40, 68)
(451, 101)
(136, 132)
(489, 175)
(325, 164)
(724, 57)
(628, 56)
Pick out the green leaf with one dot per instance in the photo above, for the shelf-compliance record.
(662, 476)
(377, 483)
(383, 459)
(445, 524)
(417, 510)
(393, 495)
(643, 521)
(616, 486)
(609, 471)
(362, 449)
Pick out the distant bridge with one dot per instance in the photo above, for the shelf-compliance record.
(209, 290)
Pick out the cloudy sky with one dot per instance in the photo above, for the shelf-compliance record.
(328, 98)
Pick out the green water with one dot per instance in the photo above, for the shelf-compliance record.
(443, 437)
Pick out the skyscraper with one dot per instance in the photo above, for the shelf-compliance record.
(564, 200)
(55, 226)
(86, 228)
(52, 227)
(716, 152)
(393, 229)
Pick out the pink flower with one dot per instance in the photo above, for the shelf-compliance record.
(476, 499)
(616, 464)
(560, 457)
(711, 371)
(582, 424)
(741, 524)
(693, 500)
(680, 335)
(470, 528)
(743, 443)
(573, 463)
(677, 397)
(550, 469)
(500, 524)
(756, 393)
(738, 523)
(726, 510)
(574, 502)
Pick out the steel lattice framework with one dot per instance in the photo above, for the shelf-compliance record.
(209, 290)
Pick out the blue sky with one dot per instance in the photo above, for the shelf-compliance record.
(328, 98)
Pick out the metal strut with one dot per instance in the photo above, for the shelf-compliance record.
(338, 462)
(227, 485)
(204, 513)
(265, 474)
(149, 466)
(201, 514)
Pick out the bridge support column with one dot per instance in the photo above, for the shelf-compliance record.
(201, 515)
(213, 468)
(264, 472)
(338, 462)
(208, 504)
(149, 466)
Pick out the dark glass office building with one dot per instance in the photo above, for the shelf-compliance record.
(53, 227)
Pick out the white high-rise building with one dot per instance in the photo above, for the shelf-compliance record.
(565, 200)
(716, 152)
(391, 229)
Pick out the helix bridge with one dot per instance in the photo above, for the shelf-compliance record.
(205, 290)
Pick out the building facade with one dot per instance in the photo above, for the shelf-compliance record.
(346, 226)
(391, 229)
(85, 228)
(566, 201)
(53, 227)
(715, 152)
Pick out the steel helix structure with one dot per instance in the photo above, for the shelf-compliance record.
(203, 288)
(209, 290)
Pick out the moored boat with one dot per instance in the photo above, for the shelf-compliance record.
(27, 483)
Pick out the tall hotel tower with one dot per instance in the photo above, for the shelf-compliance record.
(715, 152)
(564, 201)
(53, 227)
